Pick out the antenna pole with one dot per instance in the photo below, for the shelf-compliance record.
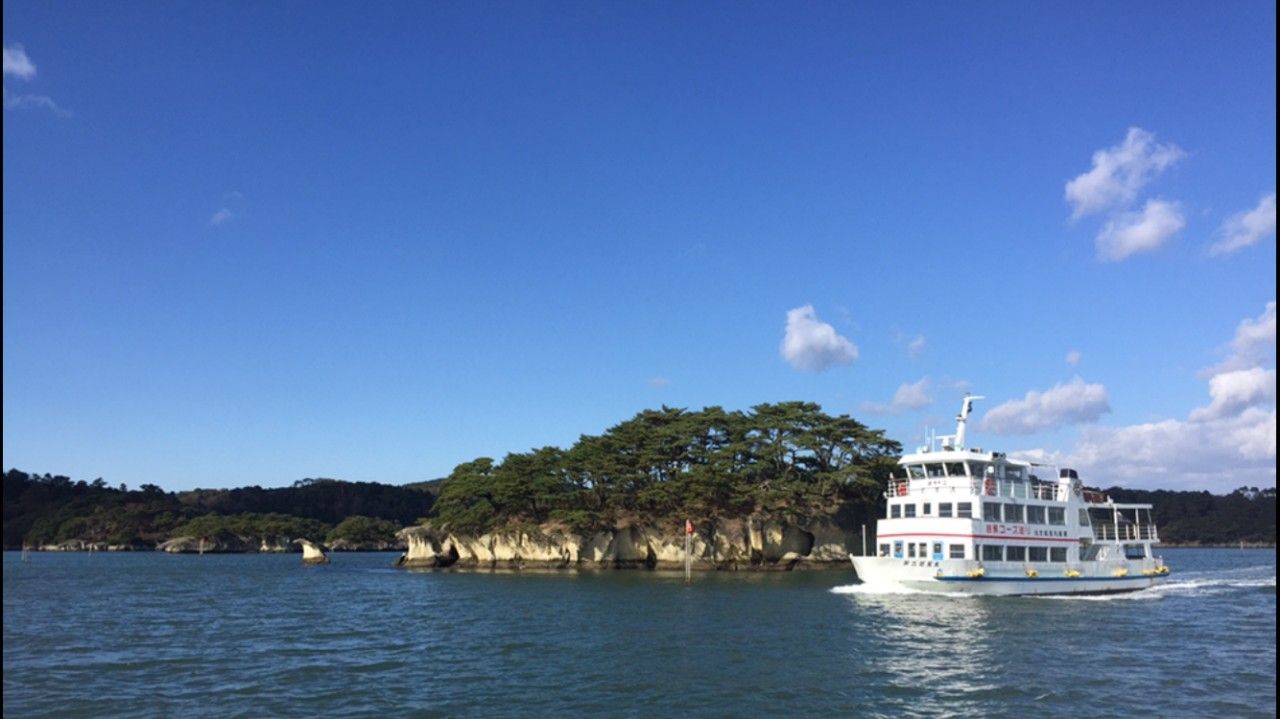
(965, 408)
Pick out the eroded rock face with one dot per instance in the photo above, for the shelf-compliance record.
(312, 553)
(746, 543)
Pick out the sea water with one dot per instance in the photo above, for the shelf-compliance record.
(155, 635)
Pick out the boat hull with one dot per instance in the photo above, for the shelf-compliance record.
(951, 578)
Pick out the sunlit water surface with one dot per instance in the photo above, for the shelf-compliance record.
(153, 635)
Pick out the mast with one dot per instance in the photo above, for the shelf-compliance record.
(963, 417)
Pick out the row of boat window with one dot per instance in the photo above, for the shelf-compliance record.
(957, 469)
(899, 509)
(988, 552)
(991, 512)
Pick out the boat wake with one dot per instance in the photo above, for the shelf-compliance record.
(1198, 586)
(1188, 586)
(884, 590)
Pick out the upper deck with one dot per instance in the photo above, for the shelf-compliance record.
(1003, 495)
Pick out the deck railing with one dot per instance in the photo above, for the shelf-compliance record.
(1125, 533)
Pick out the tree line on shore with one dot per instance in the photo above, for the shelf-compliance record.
(783, 460)
(42, 510)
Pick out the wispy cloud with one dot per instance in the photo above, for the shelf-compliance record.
(916, 346)
(1143, 231)
(1246, 228)
(1119, 172)
(232, 204)
(1074, 357)
(28, 101)
(659, 382)
(812, 345)
(1071, 403)
(908, 396)
(17, 64)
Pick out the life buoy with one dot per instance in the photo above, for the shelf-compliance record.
(902, 489)
(989, 486)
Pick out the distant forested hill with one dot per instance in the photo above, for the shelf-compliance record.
(52, 508)
(1246, 515)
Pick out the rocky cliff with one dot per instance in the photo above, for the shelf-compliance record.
(740, 544)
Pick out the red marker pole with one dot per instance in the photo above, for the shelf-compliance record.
(688, 550)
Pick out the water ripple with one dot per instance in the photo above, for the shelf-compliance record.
(151, 635)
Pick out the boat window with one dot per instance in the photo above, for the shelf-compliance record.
(1038, 554)
(1134, 551)
(977, 469)
(1089, 552)
(1057, 515)
(937, 551)
(897, 550)
(957, 551)
(944, 509)
(911, 550)
(991, 511)
(993, 553)
(1014, 473)
(964, 509)
(926, 508)
(915, 471)
(1084, 517)
(884, 550)
(955, 469)
(923, 548)
(1035, 514)
(1015, 554)
(934, 469)
(908, 510)
(895, 511)
(1057, 554)
(1013, 513)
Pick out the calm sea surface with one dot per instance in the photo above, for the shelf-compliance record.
(153, 635)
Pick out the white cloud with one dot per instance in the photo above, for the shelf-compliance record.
(1218, 454)
(1139, 231)
(813, 345)
(1231, 392)
(1246, 228)
(1119, 172)
(1229, 443)
(1071, 403)
(1073, 357)
(221, 217)
(1254, 342)
(659, 382)
(17, 64)
(909, 396)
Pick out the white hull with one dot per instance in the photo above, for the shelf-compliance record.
(952, 577)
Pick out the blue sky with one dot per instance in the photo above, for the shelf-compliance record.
(247, 243)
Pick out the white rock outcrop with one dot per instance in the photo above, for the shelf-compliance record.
(747, 543)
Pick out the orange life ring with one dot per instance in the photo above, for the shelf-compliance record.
(989, 486)
(902, 489)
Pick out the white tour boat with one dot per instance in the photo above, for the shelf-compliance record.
(961, 520)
